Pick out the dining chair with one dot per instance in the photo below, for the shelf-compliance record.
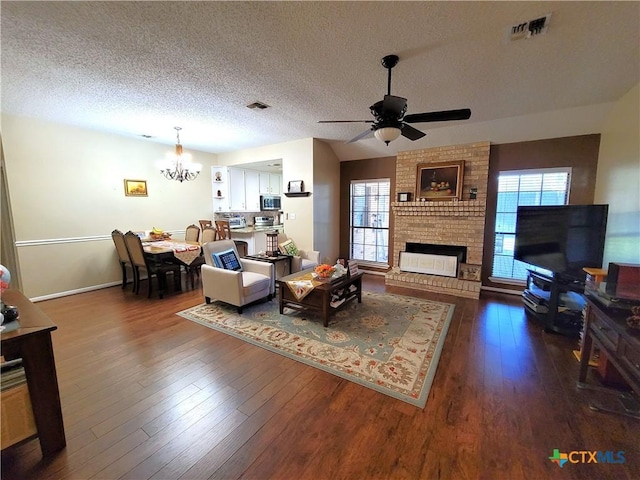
(192, 233)
(123, 255)
(193, 270)
(139, 260)
(209, 234)
(223, 231)
(205, 223)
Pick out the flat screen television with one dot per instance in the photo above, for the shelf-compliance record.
(561, 238)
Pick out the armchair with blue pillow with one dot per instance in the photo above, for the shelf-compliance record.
(231, 279)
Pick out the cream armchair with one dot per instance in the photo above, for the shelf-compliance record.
(239, 288)
(304, 259)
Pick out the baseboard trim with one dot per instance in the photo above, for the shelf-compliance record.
(502, 290)
(371, 272)
(509, 281)
(74, 292)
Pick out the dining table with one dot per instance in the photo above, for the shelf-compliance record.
(188, 254)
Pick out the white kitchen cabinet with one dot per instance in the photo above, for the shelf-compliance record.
(275, 180)
(237, 201)
(270, 183)
(238, 190)
(252, 190)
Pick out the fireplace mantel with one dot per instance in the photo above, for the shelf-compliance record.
(440, 222)
(463, 208)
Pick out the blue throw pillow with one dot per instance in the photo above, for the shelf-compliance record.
(227, 260)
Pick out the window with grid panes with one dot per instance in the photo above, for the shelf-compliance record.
(369, 221)
(524, 187)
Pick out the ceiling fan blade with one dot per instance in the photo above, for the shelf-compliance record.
(345, 121)
(411, 133)
(444, 116)
(393, 106)
(364, 134)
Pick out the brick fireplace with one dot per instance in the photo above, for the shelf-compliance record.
(448, 223)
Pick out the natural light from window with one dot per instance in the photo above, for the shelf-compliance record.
(524, 187)
(369, 221)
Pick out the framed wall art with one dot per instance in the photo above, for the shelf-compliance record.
(295, 186)
(404, 196)
(469, 272)
(135, 188)
(440, 181)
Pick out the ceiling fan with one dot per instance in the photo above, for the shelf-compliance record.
(390, 120)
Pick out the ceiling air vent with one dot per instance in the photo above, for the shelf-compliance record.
(529, 29)
(258, 105)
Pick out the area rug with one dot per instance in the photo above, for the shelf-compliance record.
(389, 343)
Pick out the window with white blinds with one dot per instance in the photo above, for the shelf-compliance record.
(369, 221)
(525, 187)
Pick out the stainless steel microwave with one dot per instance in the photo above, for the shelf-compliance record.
(269, 202)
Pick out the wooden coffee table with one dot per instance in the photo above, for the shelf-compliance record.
(319, 299)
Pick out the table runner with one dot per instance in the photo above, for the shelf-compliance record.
(303, 285)
(184, 252)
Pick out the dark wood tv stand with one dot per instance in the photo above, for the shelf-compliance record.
(545, 305)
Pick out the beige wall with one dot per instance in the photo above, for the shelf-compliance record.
(66, 188)
(618, 179)
(326, 202)
(297, 164)
(67, 194)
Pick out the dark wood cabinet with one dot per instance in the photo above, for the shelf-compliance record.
(606, 328)
(31, 341)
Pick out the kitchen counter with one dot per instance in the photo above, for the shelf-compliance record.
(252, 228)
(255, 236)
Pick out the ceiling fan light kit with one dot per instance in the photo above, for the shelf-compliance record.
(387, 134)
(389, 115)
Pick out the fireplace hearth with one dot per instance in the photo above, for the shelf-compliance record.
(437, 229)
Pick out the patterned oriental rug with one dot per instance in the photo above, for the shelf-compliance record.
(389, 343)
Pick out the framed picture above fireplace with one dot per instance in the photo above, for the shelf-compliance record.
(440, 181)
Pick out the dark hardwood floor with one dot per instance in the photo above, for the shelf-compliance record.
(149, 395)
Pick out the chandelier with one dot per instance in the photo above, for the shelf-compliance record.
(178, 166)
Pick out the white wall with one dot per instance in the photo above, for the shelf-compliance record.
(567, 122)
(297, 164)
(66, 187)
(618, 179)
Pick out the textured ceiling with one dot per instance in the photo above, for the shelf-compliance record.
(134, 68)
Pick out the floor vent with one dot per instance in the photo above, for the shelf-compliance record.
(529, 29)
(258, 105)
